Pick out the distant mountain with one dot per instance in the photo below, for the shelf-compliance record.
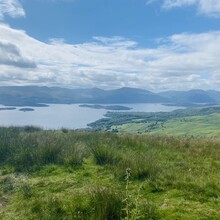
(32, 95)
(195, 96)
(214, 94)
(35, 96)
(130, 95)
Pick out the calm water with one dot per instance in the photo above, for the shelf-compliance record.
(58, 116)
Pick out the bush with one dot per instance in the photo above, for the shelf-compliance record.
(31, 129)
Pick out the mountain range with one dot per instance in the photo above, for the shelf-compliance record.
(35, 96)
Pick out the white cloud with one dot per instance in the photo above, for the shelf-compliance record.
(207, 7)
(178, 3)
(12, 8)
(178, 62)
(11, 56)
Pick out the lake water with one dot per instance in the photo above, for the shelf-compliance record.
(72, 116)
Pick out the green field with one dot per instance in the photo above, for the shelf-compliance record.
(197, 121)
(200, 126)
(65, 174)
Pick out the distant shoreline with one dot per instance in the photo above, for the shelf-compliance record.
(7, 108)
(107, 107)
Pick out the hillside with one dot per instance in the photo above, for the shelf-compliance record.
(80, 175)
(195, 121)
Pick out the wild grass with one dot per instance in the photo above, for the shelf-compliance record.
(82, 175)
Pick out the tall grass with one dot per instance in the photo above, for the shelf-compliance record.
(81, 175)
(28, 152)
(105, 154)
(106, 203)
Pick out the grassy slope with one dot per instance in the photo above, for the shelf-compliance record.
(84, 176)
(195, 121)
(200, 126)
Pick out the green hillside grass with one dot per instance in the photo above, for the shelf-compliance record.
(200, 126)
(82, 175)
(200, 121)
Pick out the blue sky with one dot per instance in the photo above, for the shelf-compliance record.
(151, 44)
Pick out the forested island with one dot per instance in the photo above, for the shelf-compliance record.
(26, 109)
(107, 107)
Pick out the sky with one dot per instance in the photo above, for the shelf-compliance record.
(156, 45)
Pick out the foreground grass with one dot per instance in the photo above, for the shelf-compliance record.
(82, 175)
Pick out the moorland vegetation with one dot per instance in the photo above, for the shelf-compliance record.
(93, 175)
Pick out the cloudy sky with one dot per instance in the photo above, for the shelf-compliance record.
(151, 44)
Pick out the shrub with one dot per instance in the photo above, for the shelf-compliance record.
(31, 129)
